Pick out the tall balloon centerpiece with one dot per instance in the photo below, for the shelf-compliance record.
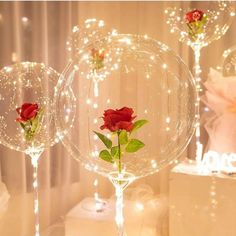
(27, 121)
(143, 116)
(198, 27)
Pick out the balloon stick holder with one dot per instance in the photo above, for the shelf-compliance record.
(197, 72)
(120, 181)
(35, 155)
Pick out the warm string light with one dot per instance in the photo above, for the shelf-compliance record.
(178, 25)
(34, 162)
(139, 206)
(213, 200)
(117, 51)
(120, 182)
(79, 43)
(9, 74)
(197, 71)
(31, 76)
(119, 210)
(96, 77)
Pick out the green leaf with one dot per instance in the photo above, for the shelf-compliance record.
(28, 136)
(123, 137)
(35, 124)
(138, 124)
(204, 19)
(22, 125)
(134, 145)
(104, 139)
(36, 121)
(115, 151)
(106, 156)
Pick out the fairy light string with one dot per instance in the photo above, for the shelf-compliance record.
(34, 162)
(197, 71)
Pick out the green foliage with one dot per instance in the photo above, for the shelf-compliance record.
(138, 124)
(31, 127)
(125, 144)
(22, 125)
(196, 28)
(123, 137)
(106, 156)
(98, 62)
(134, 145)
(107, 142)
(115, 152)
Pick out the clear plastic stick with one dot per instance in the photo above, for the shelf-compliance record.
(197, 71)
(119, 211)
(120, 182)
(35, 155)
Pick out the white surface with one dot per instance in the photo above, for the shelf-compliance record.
(201, 205)
(80, 222)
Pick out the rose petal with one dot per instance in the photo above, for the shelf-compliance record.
(20, 119)
(125, 125)
(118, 119)
(30, 112)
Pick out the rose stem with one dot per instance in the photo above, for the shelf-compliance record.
(119, 166)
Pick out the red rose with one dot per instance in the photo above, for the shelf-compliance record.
(27, 111)
(118, 119)
(96, 53)
(193, 16)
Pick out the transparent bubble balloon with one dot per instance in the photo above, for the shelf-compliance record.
(27, 121)
(137, 75)
(21, 83)
(218, 16)
(198, 26)
(90, 32)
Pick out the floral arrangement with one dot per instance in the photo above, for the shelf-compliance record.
(30, 116)
(97, 58)
(220, 121)
(120, 122)
(195, 21)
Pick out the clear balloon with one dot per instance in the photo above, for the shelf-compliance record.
(135, 111)
(22, 83)
(27, 118)
(198, 27)
(137, 72)
(90, 32)
(217, 18)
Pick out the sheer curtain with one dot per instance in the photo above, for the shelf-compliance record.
(37, 31)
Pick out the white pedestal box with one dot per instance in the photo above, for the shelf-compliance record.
(201, 205)
(82, 222)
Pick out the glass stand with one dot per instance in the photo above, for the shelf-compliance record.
(35, 155)
(120, 182)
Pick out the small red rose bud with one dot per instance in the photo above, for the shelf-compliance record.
(194, 16)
